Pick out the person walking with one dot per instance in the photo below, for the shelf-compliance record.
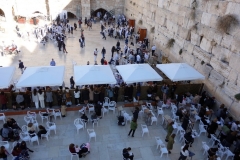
(52, 63)
(72, 82)
(103, 52)
(64, 48)
(21, 66)
(95, 54)
(170, 143)
(184, 152)
(133, 127)
(81, 42)
(169, 130)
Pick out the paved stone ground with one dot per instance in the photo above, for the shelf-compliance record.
(111, 138)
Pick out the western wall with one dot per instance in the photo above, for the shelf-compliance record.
(192, 25)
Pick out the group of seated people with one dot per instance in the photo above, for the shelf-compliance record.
(81, 150)
(10, 130)
(20, 151)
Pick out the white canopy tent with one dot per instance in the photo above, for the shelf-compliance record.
(180, 72)
(93, 74)
(42, 76)
(132, 73)
(6, 76)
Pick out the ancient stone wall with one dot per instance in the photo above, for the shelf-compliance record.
(193, 26)
(116, 5)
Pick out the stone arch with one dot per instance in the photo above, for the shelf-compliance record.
(2, 14)
(71, 15)
(102, 10)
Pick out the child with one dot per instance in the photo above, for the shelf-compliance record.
(77, 149)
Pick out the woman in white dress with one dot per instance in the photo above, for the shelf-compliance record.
(35, 98)
(41, 98)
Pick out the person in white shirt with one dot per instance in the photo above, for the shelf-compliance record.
(138, 58)
(41, 98)
(184, 152)
(77, 97)
(116, 57)
(234, 126)
(146, 56)
(95, 54)
(153, 49)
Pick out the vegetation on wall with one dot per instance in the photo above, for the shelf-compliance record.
(180, 51)
(170, 43)
(237, 96)
(202, 62)
(152, 30)
(140, 22)
(227, 22)
(193, 14)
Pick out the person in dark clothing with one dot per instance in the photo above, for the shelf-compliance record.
(64, 47)
(102, 61)
(23, 146)
(212, 153)
(84, 117)
(179, 113)
(103, 52)
(188, 138)
(113, 50)
(75, 26)
(118, 45)
(126, 93)
(179, 99)
(85, 95)
(126, 153)
(130, 93)
(202, 111)
(173, 89)
(223, 113)
(231, 137)
(98, 109)
(185, 122)
(115, 93)
(203, 96)
(72, 82)
(27, 99)
(135, 113)
(42, 130)
(149, 93)
(212, 128)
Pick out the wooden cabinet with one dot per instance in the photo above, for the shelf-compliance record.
(131, 22)
(142, 33)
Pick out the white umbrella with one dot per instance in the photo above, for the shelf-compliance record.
(93, 74)
(180, 71)
(132, 73)
(42, 76)
(6, 76)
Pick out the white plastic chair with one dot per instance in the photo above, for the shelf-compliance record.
(84, 122)
(160, 112)
(127, 117)
(33, 138)
(112, 106)
(106, 102)
(153, 119)
(163, 150)
(159, 142)
(205, 147)
(74, 155)
(202, 129)
(82, 110)
(144, 129)
(91, 134)
(32, 114)
(24, 137)
(213, 139)
(197, 118)
(42, 116)
(78, 124)
(57, 113)
(179, 128)
(149, 105)
(25, 129)
(27, 119)
(95, 121)
(229, 154)
(142, 110)
(175, 117)
(181, 138)
(46, 135)
(90, 107)
(165, 106)
(104, 110)
(3, 117)
(51, 126)
(5, 144)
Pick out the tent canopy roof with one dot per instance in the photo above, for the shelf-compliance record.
(93, 74)
(180, 71)
(42, 76)
(6, 76)
(138, 73)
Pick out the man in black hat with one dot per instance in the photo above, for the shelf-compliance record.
(72, 83)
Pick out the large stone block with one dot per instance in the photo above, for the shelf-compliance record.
(227, 41)
(232, 77)
(160, 3)
(234, 110)
(206, 18)
(206, 45)
(223, 97)
(220, 67)
(180, 41)
(221, 53)
(188, 58)
(182, 32)
(234, 61)
(216, 78)
(188, 46)
(201, 54)
(172, 27)
(235, 46)
(195, 39)
(231, 89)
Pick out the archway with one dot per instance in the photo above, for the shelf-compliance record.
(70, 15)
(2, 14)
(100, 13)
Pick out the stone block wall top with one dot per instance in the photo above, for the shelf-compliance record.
(201, 54)
(206, 45)
(234, 62)
(220, 67)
